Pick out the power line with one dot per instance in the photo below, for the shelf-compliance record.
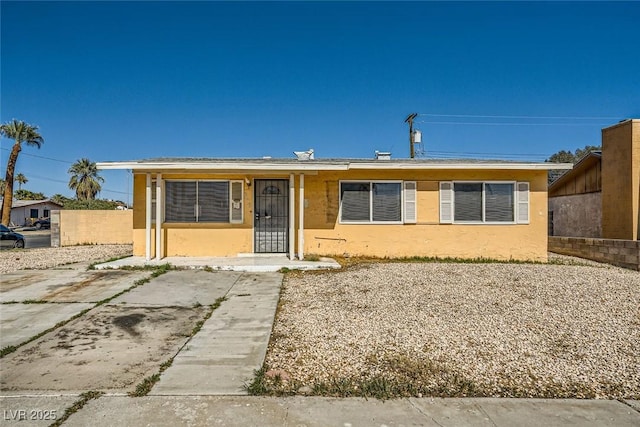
(30, 175)
(507, 124)
(520, 117)
(40, 157)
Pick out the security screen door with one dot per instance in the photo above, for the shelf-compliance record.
(271, 215)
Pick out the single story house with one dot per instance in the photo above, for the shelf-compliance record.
(379, 207)
(25, 212)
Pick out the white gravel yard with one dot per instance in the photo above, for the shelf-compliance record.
(449, 329)
(40, 258)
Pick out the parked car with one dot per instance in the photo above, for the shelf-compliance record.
(10, 239)
(42, 223)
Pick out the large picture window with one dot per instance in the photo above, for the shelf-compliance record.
(371, 202)
(202, 201)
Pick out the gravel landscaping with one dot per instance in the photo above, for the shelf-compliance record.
(40, 258)
(456, 329)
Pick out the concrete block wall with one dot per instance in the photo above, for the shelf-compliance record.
(92, 227)
(623, 253)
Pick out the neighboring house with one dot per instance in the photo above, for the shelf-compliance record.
(24, 212)
(600, 197)
(575, 199)
(379, 207)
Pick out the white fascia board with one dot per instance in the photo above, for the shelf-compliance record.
(317, 166)
(460, 166)
(223, 166)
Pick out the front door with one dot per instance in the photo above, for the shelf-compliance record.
(271, 215)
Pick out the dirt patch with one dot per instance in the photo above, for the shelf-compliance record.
(89, 285)
(112, 348)
(128, 322)
(70, 288)
(8, 283)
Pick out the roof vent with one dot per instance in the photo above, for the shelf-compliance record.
(304, 155)
(383, 155)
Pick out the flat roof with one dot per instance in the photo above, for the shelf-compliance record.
(295, 165)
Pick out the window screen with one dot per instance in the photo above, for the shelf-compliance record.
(213, 201)
(181, 201)
(387, 198)
(468, 202)
(355, 201)
(498, 202)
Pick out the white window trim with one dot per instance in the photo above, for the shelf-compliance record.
(197, 206)
(483, 222)
(371, 182)
(154, 182)
(241, 220)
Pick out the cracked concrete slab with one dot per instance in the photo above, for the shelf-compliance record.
(66, 285)
(33, 411)
(181, 288)
(322, 411)
(523, 412)
(111, 348)
(231, 344)
(20, 322)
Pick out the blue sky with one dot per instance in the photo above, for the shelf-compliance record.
(133, 80)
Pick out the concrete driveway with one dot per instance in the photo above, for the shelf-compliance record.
(36, 300)
(113, 347)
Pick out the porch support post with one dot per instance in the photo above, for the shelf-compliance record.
(301, 220)
(292, 213)
(147, 210)
(158, 216)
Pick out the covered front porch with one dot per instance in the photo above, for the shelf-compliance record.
(264, 213)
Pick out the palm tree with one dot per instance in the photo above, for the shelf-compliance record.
(20, 132)
(21, 179)
(85, 179)
(3, 185)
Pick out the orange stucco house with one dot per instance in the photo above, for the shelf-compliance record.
(371, 207)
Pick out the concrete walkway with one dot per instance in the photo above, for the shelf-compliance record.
(232, 343)
(250, 263)
(318, 411)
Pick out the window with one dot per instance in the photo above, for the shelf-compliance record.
(203, 201)
(33, 213)
(46, 213)
(371, 202)
(484, 202)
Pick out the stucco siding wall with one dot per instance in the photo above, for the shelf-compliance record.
(577, 215)
(621, 180)
(324, 235)
(79, 227)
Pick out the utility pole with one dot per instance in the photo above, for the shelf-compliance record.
(409, 120)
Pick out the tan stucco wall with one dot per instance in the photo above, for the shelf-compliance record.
(621, 180)
(79, 227)
(324, 235)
